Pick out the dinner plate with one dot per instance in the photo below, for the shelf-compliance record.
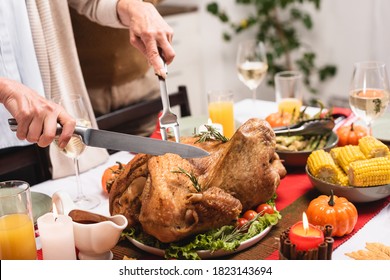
(41, 204)
(205, 254)
(353, 194)
(187, 124)
(380, 128)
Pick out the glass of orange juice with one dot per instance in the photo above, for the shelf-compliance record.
(289, 91)
(17, 236)
(220, 106)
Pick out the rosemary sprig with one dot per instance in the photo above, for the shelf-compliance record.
(191, 176)
(210, 134)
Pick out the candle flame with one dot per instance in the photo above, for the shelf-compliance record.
(305, 223)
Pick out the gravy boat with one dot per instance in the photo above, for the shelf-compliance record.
(95, 235)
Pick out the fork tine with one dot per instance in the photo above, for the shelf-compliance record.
(164, 135)
(176, 132)
(166, 127)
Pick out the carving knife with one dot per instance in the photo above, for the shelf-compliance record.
(132, 143)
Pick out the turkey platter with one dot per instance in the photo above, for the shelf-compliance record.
(172, 198)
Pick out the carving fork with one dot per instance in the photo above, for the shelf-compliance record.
(168, 120)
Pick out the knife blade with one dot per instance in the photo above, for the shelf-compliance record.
(127, 142)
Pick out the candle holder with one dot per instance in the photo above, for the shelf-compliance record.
(288, 251)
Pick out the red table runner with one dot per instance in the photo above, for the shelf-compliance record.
(297, 184)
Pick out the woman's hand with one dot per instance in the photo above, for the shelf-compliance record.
(148, 32)
(36, 116)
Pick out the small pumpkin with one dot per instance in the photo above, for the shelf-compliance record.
(279, 119)
(335, 211)
(350, 134)
(110, 174)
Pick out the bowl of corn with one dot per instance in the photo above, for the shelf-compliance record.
(360, 173)
(297, 157)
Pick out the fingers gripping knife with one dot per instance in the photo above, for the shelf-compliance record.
(168, 120)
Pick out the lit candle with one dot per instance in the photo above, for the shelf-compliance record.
(56, 235)
(217, 126)
(305, 236)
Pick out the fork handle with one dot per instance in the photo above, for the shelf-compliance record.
(165, 68)
(163, 86)
(164, 96)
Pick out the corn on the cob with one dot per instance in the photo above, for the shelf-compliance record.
(372, 147)
(369, 172)
(334, 152)
(348, 154)
(342, 177)
(322, 166)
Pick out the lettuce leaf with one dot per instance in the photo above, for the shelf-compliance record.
(225, 238)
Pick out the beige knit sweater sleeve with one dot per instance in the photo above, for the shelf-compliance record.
(100, 11)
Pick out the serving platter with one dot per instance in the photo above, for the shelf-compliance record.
(205, 254)
(353, 194)
(380, 128)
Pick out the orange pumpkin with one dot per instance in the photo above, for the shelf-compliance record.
(335, 211)
(110, 174)
(279, 119)
(350, 134)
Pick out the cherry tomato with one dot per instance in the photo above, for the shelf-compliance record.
(241, 222)
(110, 174)
(265, 208)
(249, 214)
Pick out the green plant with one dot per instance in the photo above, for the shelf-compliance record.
(277, 21)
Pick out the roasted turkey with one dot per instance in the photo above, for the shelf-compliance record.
(154, 192)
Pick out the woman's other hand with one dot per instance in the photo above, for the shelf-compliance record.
(148, 32)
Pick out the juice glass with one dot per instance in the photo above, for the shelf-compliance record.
(17, 236)
(220, 106)
(288, 90)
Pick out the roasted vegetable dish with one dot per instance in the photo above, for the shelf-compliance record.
(296, 143)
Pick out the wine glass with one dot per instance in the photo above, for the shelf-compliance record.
(369, 91)
(251, 64)
(75, 106)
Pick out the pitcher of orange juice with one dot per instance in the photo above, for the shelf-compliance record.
(220, 107)
(17, 236)
(288, 90)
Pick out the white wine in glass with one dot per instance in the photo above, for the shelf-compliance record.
(252, 65)
(74, 105)
(369, 91)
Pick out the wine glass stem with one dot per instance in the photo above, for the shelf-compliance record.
(254, 94)
(369, 129)
(80, 194)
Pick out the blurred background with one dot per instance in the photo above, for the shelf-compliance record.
(343, 32)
